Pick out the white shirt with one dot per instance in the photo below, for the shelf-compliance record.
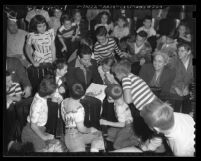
(123, 112)
(150, 31)
(38, 111)
(182, 136)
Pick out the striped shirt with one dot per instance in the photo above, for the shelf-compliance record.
(106, 50)
(42, 46)
(67, 33)
(14, 89)
(140, 92)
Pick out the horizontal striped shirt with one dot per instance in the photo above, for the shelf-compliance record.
(42, 46)
(67, 33)
(14, 89)
(140, 91)
(107, 50)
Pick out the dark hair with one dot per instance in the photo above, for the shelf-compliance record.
(47, 86)
(185, 45)
(148, 18)
(84, 50)
(38, 19)
(124, 19)
(108, 61)
(8, 73)
(142, 34)
(101, 31)
(87, 40)
(99, 16)
(59, 64)
(77, 91)
(65, 17)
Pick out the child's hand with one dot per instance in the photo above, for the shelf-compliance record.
(36, 64)
(61, 89)
(178, 91)
(103, 122)
(93, 130)
(64, 49)
(49, 137)
(142, 61)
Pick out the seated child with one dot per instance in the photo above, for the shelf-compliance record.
(121, 132)
(178, 128)
(13, 90)
(104, 71)
(77, 135)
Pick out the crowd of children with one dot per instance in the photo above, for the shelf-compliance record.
(142, 67)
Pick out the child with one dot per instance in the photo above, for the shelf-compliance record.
(121, 29)
(35, 131)
(104, 20)
(77, 135)
(121, 132)
(13, 90)
(105, 46)
(67, 34)
(104, 71)
(178, 128)
(41, 38)
(147, 27)
(55, 22)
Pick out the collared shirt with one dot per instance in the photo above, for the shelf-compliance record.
(38, 111)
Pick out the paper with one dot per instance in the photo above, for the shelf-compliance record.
(96, 90)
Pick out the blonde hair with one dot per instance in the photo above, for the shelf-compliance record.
(124, 66)
(162, 54)
(158, 114)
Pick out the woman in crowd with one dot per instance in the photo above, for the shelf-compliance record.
(158, 75)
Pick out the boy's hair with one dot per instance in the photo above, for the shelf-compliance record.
(101, 31)
(47, 86)
(124, 66)
(185, 45)
(108, 61)
(158, 114)
(38, 19)
(84, 50)
(65, 17)
(77, 91)
(87, 40)
(142, 34)
(59, 64)
(114, 91)
(148, 18)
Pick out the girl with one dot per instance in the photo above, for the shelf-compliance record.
(55, 22)
(121, 29)
(104, 20)
(77, 135)
(41, 38)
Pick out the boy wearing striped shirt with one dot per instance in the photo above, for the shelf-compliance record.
(13, 90)
(136, 91)
(105, 47)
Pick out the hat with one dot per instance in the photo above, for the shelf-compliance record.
(114, 91)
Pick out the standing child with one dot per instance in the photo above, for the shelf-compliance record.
(41, 38)
(121, 132)
(77, 135)
(67, 35)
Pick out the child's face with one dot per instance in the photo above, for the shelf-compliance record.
(12, 27)
(86, 60)
(57, 13)
(63, 71)
(183, 53)
(101, 39)
(77, 16)
(104, 19)
(41, 28)
(9, 81)
(158, 62)
(106, 68)
(147, 23)
(182, 30)
(121, 22)
(67, 24)
(140, 40)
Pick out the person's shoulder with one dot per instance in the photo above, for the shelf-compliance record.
(22, 32)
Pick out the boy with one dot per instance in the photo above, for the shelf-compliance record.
(13, 90)
(147, 27)
(178, 128)
(121, 132)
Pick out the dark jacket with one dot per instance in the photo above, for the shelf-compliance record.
(18, 71)
(166, 78)
(75, 74)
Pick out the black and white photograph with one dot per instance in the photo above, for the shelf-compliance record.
(99, 80)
